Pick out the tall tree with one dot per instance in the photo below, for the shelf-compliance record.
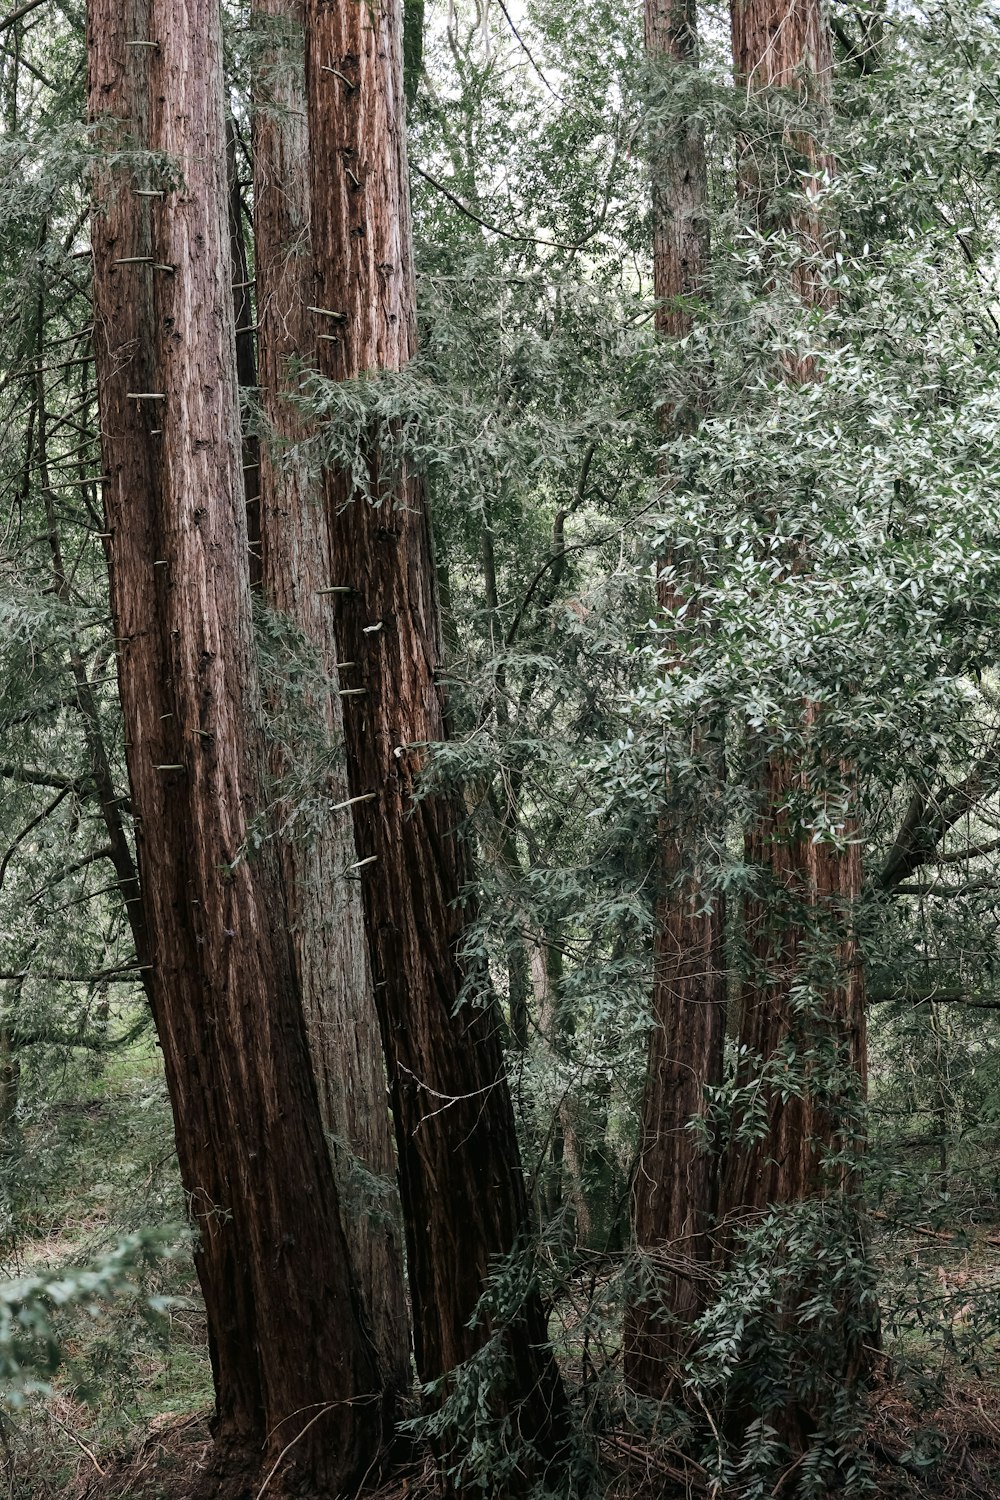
(324, 901)
(803, 1001)
(676, 1177)
(292, 1359)
(463, 1193)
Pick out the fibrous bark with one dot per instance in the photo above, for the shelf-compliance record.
(675, 1189)
(291, 1356)
(323, 900)
(463, 1193)
(802, 1005)
(785, 44)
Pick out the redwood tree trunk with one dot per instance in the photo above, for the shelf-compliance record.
(800, 930)
(324, 904)
(290, 1353)
(675, 1188)
(786, 44)
(463, 1193)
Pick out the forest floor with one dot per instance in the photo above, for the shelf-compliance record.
(127, 1416)
(165, 1461)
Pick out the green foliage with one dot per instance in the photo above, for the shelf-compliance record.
(30, 1309)
(835, 541)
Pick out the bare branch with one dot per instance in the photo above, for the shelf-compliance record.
(528, 54)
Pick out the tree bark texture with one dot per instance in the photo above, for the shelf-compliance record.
(463, 1192)
(800, 930)
(676, 1184)
(291, 1356)
(785, 44)
(323, 902)
(810, 886)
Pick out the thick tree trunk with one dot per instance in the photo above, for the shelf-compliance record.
(291, 1356)
(460, 1175)
(810, 885)
(786, 44)
(799, 933)
(675, 1188)
(324, 903)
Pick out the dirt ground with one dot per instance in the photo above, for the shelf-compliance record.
(957, 1458)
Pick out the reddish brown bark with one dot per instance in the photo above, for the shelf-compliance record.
(809, 885)
(324, 904)
(800, 929)
(785, 44)
(674, 1196)
(679, 179)
(460, 1176)
(290, 1354)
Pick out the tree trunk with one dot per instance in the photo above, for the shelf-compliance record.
(785, 44)
(324, 903)
(808, 884)
(463, 1193)
(291, 1357)
(799, 933)
(567, 1153)
(675, 1192)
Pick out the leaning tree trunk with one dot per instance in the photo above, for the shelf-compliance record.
(463, 1194)
(675, 1187)
(799, 931)
(324, 902)
(292, 1360)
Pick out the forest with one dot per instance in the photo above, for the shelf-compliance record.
(499, 749)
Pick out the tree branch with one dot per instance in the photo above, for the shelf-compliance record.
(556, 560)
(51, 779)
(40, 818)
(22, 10)
(527, 52)
(929, 818)
(934, 997)
(505, 234)
(90, 1042)
(106, 852)
(968, 889)
(124, 974)
(864, 56)
(976, 852)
